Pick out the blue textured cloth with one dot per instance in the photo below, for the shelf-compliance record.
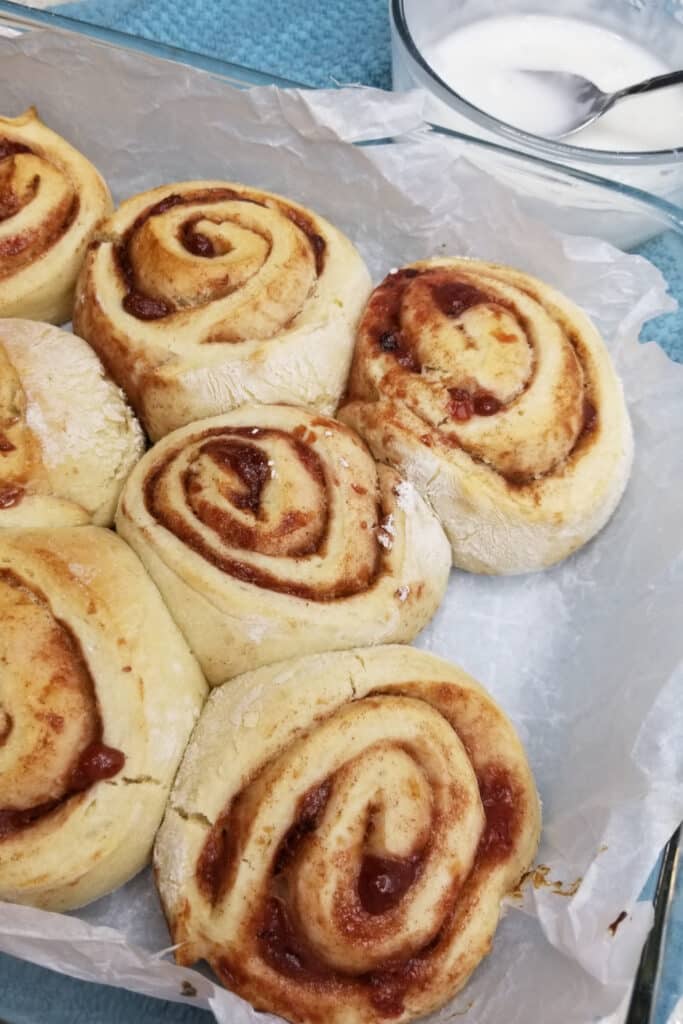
(318, 44)
(309, 41)
(32, 995)
(666, 252)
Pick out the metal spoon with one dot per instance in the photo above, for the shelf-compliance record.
(589, 102)
(644, 1000)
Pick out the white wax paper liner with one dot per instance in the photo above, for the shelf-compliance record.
(586, 657)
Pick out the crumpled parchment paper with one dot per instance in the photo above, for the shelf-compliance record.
(586, 657)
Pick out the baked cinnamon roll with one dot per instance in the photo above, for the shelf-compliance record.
(67, 436)
(271, 532)
(203, 296)
(98, 695)
(347, 860)
(51, 199)
(496, 397)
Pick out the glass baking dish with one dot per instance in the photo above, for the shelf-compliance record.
(417, 25)
(570, 200)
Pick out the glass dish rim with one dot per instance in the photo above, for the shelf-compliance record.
(517, 136)
(27, 18)
(34, 18)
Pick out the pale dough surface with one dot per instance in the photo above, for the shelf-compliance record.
(78, 604)
(407, 746)
(334, 551)
(68, 438)
(519, 488)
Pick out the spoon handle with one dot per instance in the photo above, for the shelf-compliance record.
(658, 82)
(644, 996)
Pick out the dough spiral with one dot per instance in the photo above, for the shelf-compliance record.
(270, 532)
(202, 296)
(98, 695)
(51, 200)
(496, 396)
(346, 863)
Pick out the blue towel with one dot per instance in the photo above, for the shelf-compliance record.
(309, 41)
(32, 995)
(317, 44)
(666, 252)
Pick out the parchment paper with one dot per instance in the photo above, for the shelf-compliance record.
(586, 657)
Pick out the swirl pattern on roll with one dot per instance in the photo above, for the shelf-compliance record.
(271, 531)
(201, 296)
(352, 856)
(65, 451)
(51, 199)
(52, 703)
(85, 697)
(500, 396)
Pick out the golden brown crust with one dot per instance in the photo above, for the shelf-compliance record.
(51, 199)
(61, 713)
(496, 396)
(95, 709)
(201, 296)
(271, 531)
(350, 863)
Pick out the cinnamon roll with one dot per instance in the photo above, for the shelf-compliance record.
(98, 695)
(51, 199)
(205, 295)
(346, 862)
(67, 437)
(270, 532)
(496, 397)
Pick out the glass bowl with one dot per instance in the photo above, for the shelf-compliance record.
(655, 24)
(574, 201)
